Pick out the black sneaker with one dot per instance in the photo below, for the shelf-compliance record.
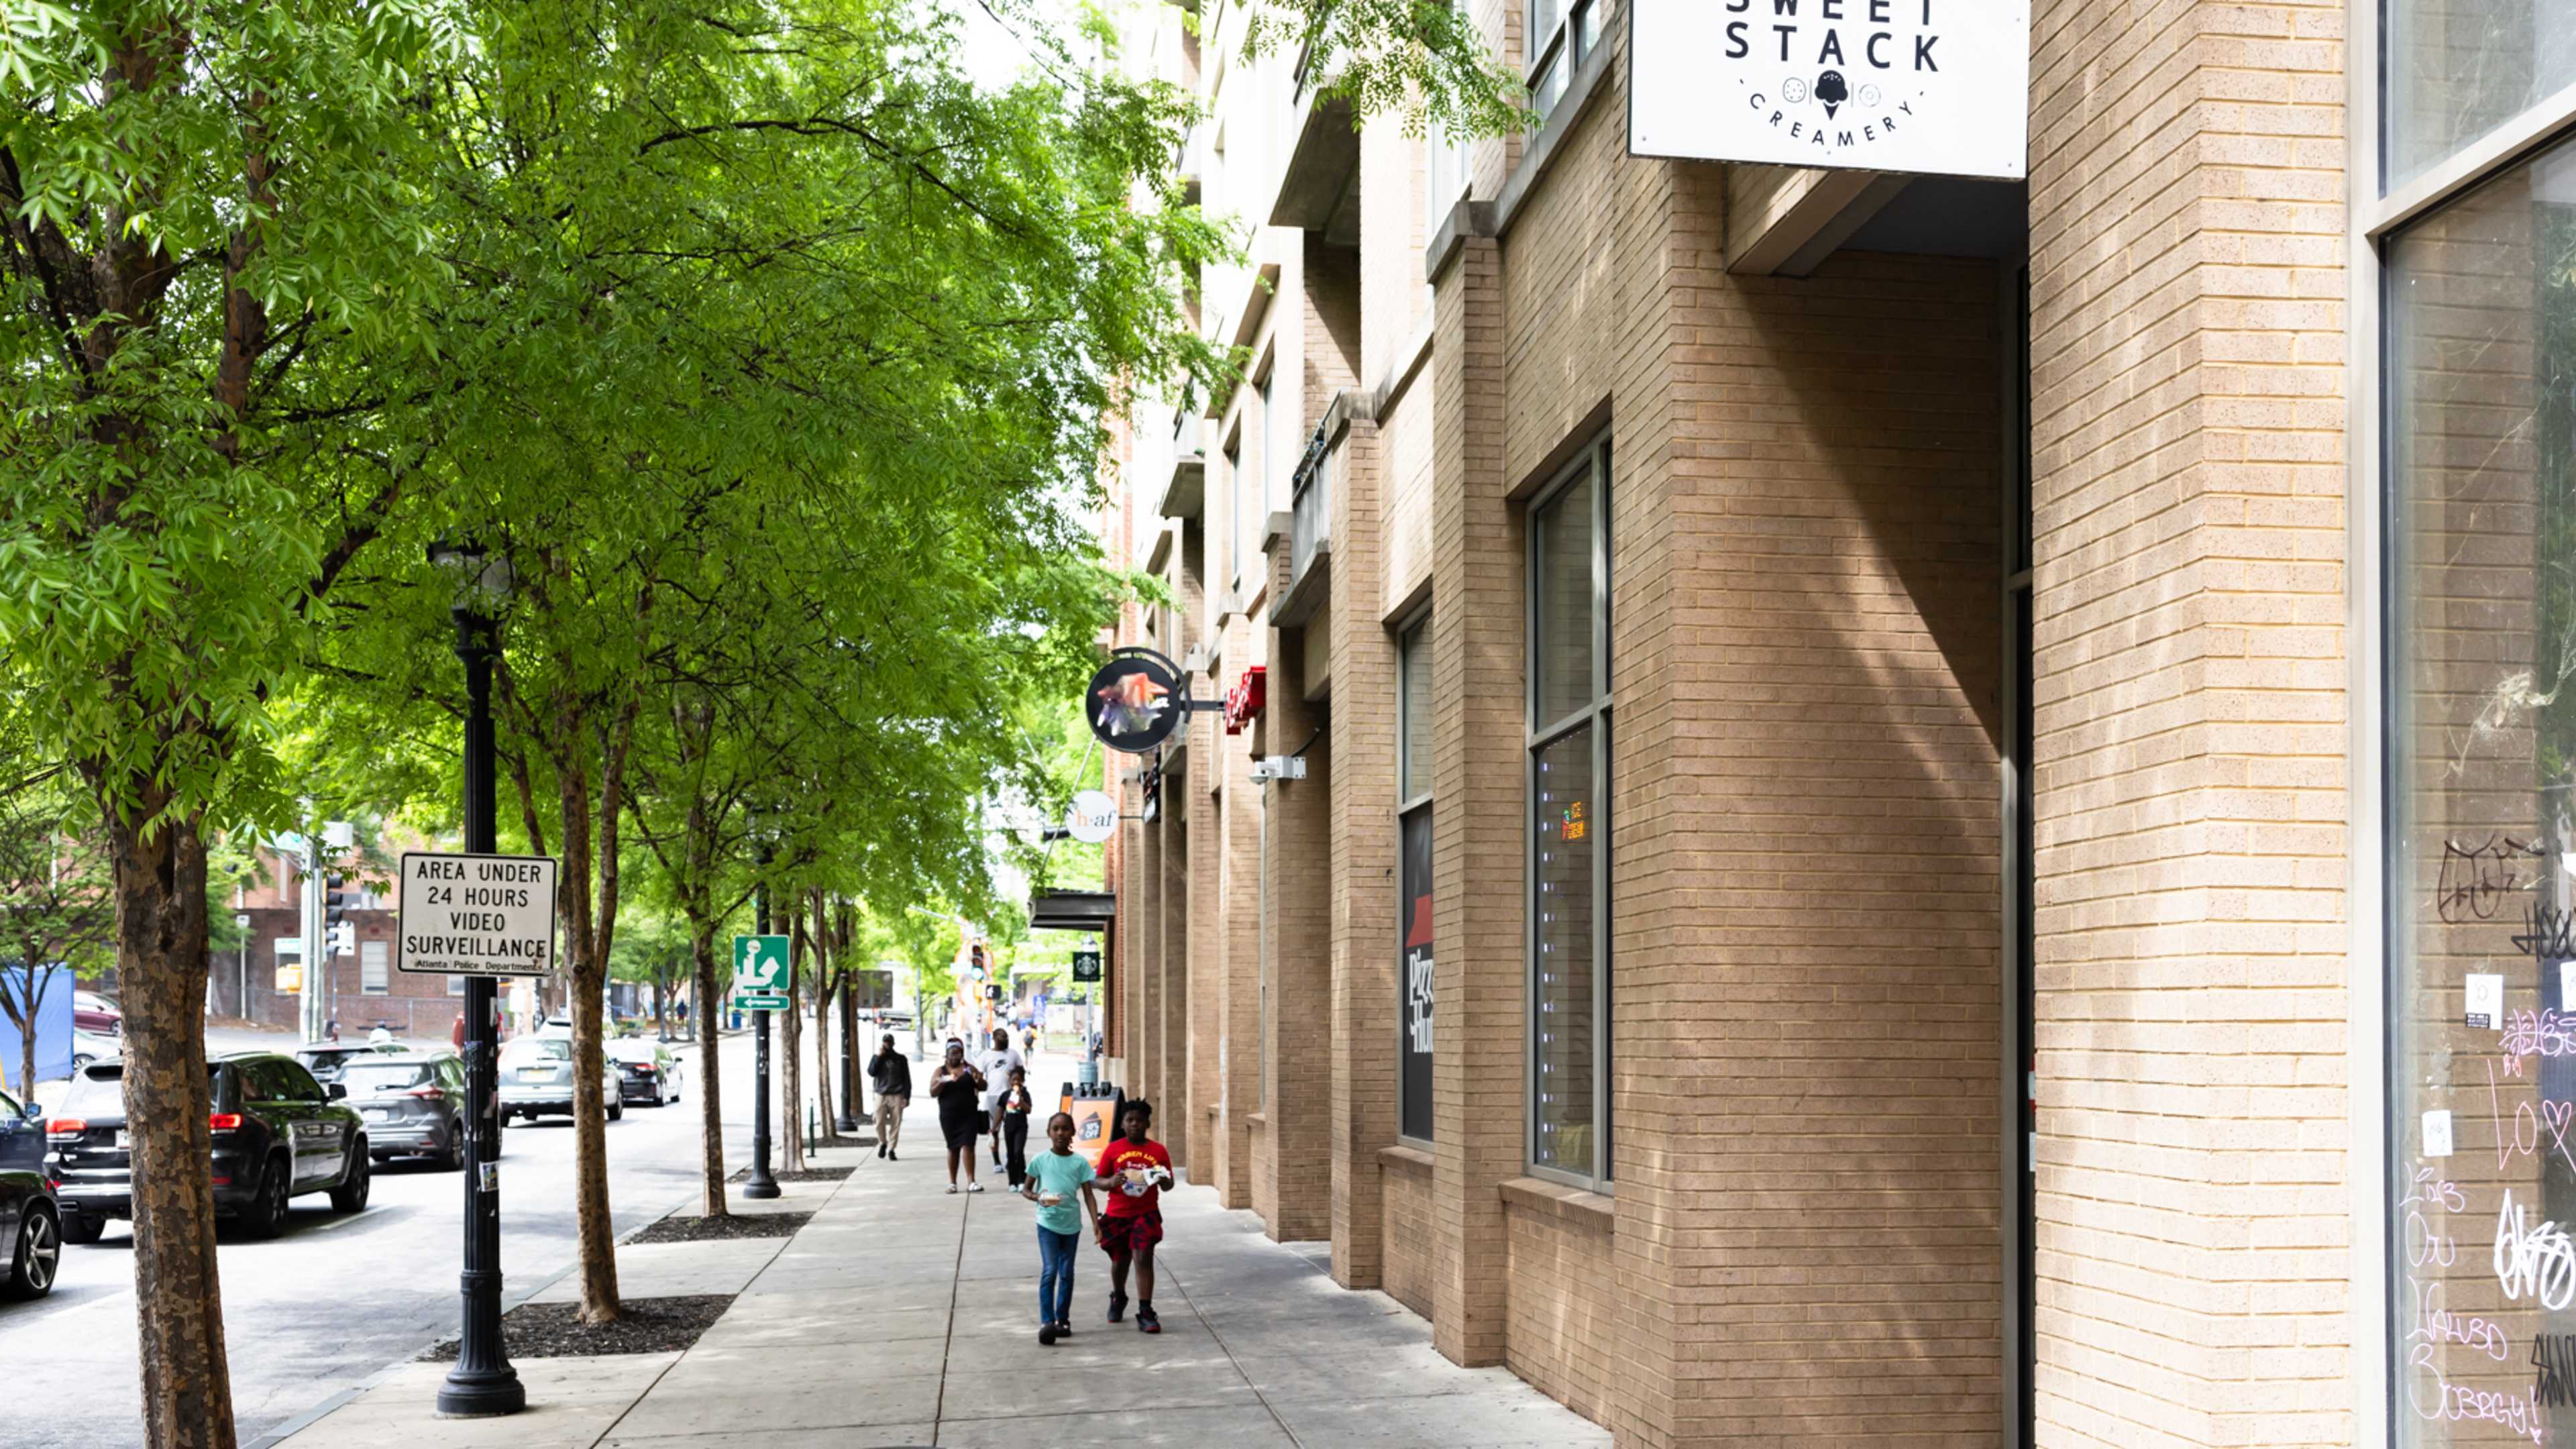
(1146, 1322)
(880, 1149)
(1046, 1334)
(1117, 1307)
(1064, 1330)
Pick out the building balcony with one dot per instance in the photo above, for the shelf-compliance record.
(1310, 525)
(1319, 189)
(1185, 489)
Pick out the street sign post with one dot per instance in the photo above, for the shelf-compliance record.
(760, 973)
(476, 915)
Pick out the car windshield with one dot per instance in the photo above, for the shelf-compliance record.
(379, 1079)
(527, 1049)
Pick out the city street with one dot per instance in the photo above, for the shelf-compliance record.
(335, 1300)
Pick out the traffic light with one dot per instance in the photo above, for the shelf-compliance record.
(337, 901)
(976, 966)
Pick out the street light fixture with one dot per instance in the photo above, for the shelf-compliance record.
(482, 1385)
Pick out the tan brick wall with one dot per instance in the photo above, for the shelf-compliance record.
(1566, 1326)
(1407, 1234)
(1362, 878)
(2187, 303)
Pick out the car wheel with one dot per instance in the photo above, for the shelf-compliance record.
(454, 1161)
(39, 1256)
(351, 1195)
(80, 1231)
(265, 1216)
(81, 1061)
(617, 1108)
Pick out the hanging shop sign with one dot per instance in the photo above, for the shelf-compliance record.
(476, 915)
(1243, 703)
(1092, 818)
(1134, 701)
(1086, 965)
(1930, 87)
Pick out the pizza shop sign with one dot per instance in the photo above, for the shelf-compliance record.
(1933, 87)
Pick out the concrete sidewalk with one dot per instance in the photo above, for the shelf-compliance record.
(904, 1316)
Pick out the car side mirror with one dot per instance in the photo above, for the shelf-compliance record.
(336, 1091)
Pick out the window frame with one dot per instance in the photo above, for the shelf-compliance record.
(1414, 633)
(2375, 213)
(376, 980)
(1567, 42)
(1593, 460)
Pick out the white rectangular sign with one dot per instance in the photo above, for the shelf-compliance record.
(476, 915)
(1931, 87)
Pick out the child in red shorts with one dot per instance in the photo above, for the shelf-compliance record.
(1135, 1169)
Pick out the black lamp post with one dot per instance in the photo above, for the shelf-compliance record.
(482, 1385)
(760, 1184)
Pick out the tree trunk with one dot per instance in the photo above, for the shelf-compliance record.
(793, 1088)
(588, 977)
(711, 1165)
(161, 976)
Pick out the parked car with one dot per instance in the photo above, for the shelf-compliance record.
(647, 1071)
(90, 1046)
(278, 1134)
(31, 1222)
(413, 1104)
(93, 1012)
(327, 1059)
(536, 1080)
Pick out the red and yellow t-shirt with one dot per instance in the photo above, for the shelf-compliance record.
(1134, 1175)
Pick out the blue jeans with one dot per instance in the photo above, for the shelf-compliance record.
(1055, 1275)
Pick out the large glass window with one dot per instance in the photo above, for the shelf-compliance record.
(1569, 1031)
(2456, 71)
(1413, 828)
(2480, 614)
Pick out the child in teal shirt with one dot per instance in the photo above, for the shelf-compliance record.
(1054, 1177)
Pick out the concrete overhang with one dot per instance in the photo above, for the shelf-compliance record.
(1320, 190)
(1785, 220)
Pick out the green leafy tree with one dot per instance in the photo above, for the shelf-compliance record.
(213, 232)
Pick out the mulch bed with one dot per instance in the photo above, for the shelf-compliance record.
(555, 1330)
(678, 1229)
(810, 1174)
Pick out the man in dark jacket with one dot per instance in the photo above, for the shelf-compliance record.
(890, 1073)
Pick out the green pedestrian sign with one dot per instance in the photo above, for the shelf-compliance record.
(760, 973)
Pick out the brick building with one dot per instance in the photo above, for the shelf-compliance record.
(360, 988)
(1925, 811)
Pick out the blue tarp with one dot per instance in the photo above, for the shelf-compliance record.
(53, 1025)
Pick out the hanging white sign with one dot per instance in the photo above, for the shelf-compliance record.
(1931, 87)
(1093, 817)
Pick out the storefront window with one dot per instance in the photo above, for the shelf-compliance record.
(2481, 870)
(1413, 826)
(1569, 837)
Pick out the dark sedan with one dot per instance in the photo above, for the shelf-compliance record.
(412, 1104)
(30, 1223)
(278, 1134)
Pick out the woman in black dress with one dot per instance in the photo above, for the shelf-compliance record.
(959, 1090)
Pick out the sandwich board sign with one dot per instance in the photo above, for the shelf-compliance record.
(1923, 87)
(476, 915)
(760, 973)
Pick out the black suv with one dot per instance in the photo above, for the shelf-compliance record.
(278, 1135)
(414, 1103)
(31, 1230)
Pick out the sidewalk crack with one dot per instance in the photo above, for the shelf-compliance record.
(948, 1350)
(1163, 1275)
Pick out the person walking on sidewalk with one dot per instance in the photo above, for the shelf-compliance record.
(1054, 1176)
(958, 1088)
(999, 1062)
(1015, 1126)
(890, 1072)
(1137, 1169)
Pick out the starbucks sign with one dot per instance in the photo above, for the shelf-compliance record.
(1933, 87)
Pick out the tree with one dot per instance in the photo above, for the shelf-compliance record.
(212, 233)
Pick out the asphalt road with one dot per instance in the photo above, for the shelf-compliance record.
(334, 1300)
